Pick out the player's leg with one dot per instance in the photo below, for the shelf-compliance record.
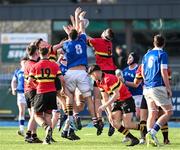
(160, 97)
(164, 128)
(152, 116)
(143, 119)
(97, 104)
(31, 135)
(137, 100)
(63, 111)
(21, 102)
(79, 104)
(84, 86)
(40, 106)
(104, 100)
(116, 123)
(70, 79)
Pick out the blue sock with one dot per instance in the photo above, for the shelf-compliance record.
(156, 127)
(21, 122)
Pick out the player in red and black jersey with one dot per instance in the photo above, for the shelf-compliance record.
(103, 56)
(52, 49)
(118, 94)
(44, 73)
(30, 92)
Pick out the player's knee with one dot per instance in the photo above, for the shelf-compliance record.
(80, 106)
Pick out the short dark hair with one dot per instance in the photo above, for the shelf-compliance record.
(31, 49)
(43, 51)
(37, 42)
(159, 40)
(93, 68)
(73, 34)
(135, 56)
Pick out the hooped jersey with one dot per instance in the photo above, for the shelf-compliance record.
(111, 82)
(28, 66)
(19, 76)
(129, 75)
(52, 54)
(152, 63)
(45, 72)
(103, 53)
(76, 52)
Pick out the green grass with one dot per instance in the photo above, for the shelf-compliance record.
(9, 140)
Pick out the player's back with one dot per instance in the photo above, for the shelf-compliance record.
(28, 65)
(152, 63)
(45, 72)
(76, 52)
(103, 53)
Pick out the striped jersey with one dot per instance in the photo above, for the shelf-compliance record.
(45, 72)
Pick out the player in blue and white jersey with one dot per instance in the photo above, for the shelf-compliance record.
(129, 74)
(75, 51)
(17, 86)
(157, 90)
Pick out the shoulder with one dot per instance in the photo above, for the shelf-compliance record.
(108, 78)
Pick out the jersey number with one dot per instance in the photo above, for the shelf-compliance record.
(45, 72)
(78, 49)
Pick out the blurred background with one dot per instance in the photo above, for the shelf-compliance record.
(134, 22)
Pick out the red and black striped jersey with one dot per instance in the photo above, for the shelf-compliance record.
(111, 82)
(103, 53)
(45, 72)
(28, 65)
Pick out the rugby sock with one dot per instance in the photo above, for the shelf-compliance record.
(125, 132)
(21, 123)
(95, 121)
(143, 128)
(44, 125)
(155, 129)
(65, 110)
(69, 109)
(164, 130)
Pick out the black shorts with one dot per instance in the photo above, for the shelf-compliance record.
(30, 96)
(143, 103)
(106, 71)
(45, 102)
(125, 107)
(57, 84)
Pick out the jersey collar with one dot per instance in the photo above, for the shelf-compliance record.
(158, 48)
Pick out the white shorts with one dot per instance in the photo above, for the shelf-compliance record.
(158, 95)
(138, 100)
(21, 98)
(78, 79)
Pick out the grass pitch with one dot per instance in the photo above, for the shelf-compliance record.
(9, 140)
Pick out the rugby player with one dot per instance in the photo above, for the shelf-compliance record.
(157, 89)
(44, 73)
(120, 97)
(30, 92)
(103, 56)
(17, 86)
